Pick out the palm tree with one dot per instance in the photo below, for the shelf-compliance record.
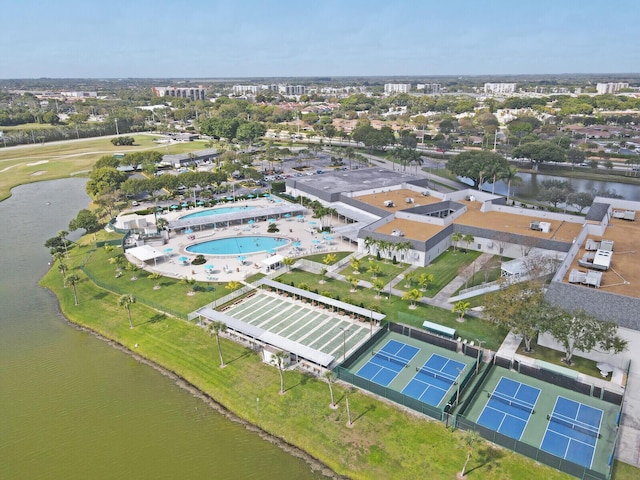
(191, 283)
(470, 439)
(424, 280)
(510, 174)
(468, 239)
(378, 285)
(355, 264)
(288, 262)
(329, 259)
(73, 280)
(215, 328)
(62, 267)
(455, 238)
(63, 236)
(330, 377)
(374, 269)
(233, 285)
(461, 308)
(413, 296)
(155, 276)
(409, 277)
(354, 282)
(125, 301)
(278, 360)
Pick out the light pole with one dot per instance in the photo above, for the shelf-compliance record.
(480, 342)
(458, 385)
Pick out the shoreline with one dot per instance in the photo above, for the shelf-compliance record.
(316, 465)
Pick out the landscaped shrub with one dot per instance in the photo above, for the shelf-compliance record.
(199, 260)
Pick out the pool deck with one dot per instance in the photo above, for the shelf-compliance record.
(228, 267)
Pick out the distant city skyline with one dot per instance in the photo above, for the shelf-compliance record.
(212, 39)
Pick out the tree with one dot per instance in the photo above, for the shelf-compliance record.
(455, 238)
(510, 175)
(581, 200)
(554, 192)
(374, 269)
(126, 301)
(539, 152)
(155, 276)
(233, 285)
(62, 234)
(215, 328)
(85, 219)
(413, 296)
(378, 285)
(62, 268)
(355, 264)
(353, 280)
(330, 378)
(579, 330)
(470, 438)
(474, 165)
(424, 280)
(73, 280)
(461, 308)
(104, 181)
(468, 239)
(520, 308)
(288, 262)
(278, 360)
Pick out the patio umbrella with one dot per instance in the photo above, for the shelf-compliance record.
(188, 230)
(242, 258)
(271, 251)
(200, 202)
(173, 207)
(208, 267)
(229, 198)
(158, 209)
(297, 244)
(184, 205)
(300, 217)
(312, 223)
(287, 216)
(316, 242)
(272, 220)
(168, 250)
(251, 222)
(251, 195)
(183, 259)
(266, 195)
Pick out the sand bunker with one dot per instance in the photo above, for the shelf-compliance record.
(39, 172)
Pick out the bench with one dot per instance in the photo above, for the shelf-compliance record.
(439, 329)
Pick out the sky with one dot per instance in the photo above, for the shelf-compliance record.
(283, 38)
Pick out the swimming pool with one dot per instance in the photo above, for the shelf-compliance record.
(238, 245)
(215, 211)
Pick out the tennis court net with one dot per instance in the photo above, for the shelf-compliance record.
(511, 401)
(437, 374)
(391, 358)
(575, 424)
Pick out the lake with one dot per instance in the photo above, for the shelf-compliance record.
(75, 408)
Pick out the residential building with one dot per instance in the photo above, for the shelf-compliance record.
(610, 87)
(245, 89)
(390, 88)
(429, 87)
(193, 93)
(499, 88)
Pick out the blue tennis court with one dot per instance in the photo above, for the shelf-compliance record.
(434, 379)
(388, 362)
(509, 407)
(573, 431)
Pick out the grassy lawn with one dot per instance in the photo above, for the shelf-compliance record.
(582, 365)
(489, 273)
(399, 310)
(28, 164)
(444, 269)
(388, 270)
(383, 442)
(319, 257)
